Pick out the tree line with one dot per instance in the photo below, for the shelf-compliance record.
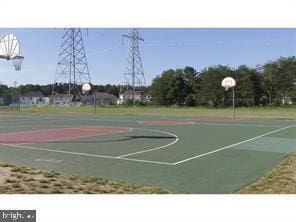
(60, 88)
(274, 83)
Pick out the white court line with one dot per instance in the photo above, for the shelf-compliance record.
(233, 145)
(84, 154)
(156, 148)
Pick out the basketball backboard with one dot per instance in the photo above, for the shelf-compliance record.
(10, 49)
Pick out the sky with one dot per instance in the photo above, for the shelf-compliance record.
(162, 49)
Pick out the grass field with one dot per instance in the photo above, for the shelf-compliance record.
(188, 150)
(262, 112)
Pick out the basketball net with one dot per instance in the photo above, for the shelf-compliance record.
(17, 62)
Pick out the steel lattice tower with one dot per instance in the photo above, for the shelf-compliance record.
(72, 68)
(134, 74)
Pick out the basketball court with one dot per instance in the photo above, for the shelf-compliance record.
(187, 155)
(184, 154)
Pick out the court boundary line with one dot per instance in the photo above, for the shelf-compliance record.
(232, 145)
(152, 149)
(85, 154)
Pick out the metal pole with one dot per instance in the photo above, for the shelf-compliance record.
(95, 103)
(233, 102)
(19, 103)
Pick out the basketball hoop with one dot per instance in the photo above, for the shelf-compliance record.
(228, 83)
(10, 49)
(17, 62)
(9, 46)
(86, 88)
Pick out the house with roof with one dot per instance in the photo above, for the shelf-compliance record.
(33, 98)
(61, 99)
(128, 96)
(100, 98)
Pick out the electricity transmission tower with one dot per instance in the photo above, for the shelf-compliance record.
(134, 74)
(72, 69)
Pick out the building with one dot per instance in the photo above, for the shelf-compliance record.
(128, 96)
(62, 99)
(100, 98)
(34, 98)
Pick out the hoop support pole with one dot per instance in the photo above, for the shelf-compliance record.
(233, 102)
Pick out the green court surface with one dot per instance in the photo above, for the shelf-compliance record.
(187, 155)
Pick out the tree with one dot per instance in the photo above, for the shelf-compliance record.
(173, 87)
(211, 93)
(270, 79)
(160, 88)
(279, 80)
(287, 80)
(249, 87)
(177, 88)
(191, 77)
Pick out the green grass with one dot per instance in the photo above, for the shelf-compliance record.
(260, 112)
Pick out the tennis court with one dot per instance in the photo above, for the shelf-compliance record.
(185, 154)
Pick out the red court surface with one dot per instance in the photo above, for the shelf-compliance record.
(58, 134)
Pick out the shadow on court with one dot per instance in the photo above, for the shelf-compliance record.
(127, 138)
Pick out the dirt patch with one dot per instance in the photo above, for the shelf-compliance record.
(24, 180)
(4, 174)
(167, 122)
